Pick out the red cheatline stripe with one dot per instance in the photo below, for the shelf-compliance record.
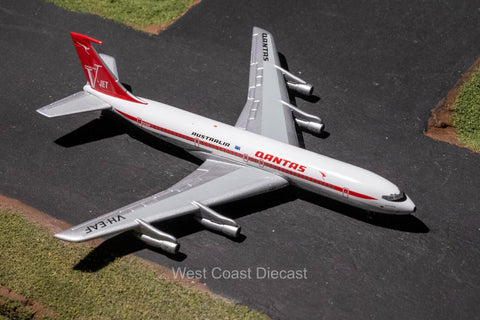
(359, 195)
(248, 158)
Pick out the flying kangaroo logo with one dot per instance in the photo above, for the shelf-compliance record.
(92, 74)
(86, 48)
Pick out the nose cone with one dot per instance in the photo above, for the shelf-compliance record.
(405, 207)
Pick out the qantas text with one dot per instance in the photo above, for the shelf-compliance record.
(280, 161)
(265, 46)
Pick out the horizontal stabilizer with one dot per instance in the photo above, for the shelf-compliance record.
(79, 102)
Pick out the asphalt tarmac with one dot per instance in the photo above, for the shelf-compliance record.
(378, 68)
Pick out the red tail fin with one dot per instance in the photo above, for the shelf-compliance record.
(98, 75)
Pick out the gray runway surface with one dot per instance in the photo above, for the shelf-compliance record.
(378, 67)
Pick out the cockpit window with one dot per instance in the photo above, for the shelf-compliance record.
(396, 197)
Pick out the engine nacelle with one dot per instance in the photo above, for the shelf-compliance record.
(305, 121)
(231, 231)
(304, 89)
(310, 126)
(212, 220)
(165, 245)
(156, 238)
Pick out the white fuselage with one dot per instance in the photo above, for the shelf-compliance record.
(207, 138)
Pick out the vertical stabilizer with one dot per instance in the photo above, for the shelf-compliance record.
(99, 76)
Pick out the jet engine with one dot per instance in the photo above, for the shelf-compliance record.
(306, 121)
(304, 89)
(214, 221)
(156, 238)
(296, 84)
(313, 127)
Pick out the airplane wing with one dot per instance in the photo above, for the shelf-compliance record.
(268, 110)
(213, 183)
(264, 113)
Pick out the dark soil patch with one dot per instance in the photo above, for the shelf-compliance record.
(36, 309)
(440, 125)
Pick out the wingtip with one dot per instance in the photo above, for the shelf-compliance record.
(65, 236)
(43, 113)
(258, 30)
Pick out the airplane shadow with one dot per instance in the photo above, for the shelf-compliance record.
(111, 249)
(109, 125)
(95, 130)
(405, 223)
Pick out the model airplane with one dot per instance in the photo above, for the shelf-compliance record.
(259, 154)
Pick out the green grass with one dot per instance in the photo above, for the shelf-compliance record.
(466, 116)
(42, 268)
(135, 13)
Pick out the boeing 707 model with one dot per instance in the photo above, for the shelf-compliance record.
(260, 153)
